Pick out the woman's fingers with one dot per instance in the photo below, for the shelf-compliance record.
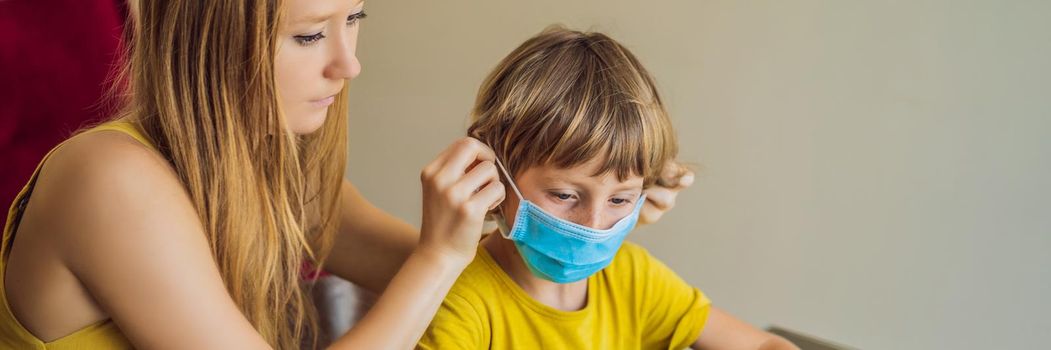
(685, 180)
(454, 161)
(478, 177)
(490, 196)
(458, 189)
(462, 155)
(481, 178)
(649, 214)
(675, 175)
(661, 198)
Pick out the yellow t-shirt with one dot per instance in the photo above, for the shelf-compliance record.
(635, 303)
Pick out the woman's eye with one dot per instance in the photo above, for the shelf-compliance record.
(309, 39)
(306, 40)
(353, 19)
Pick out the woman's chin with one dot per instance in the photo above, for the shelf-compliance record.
(308, 124)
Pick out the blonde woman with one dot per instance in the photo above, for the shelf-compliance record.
(183, 223)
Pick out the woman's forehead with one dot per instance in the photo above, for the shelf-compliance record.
(317, 11)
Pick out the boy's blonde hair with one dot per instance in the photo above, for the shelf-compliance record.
(566, 97)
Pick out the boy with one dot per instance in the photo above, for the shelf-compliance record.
(579, 131)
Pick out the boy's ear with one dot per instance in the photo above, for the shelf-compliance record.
(496, 213)
(492, 220)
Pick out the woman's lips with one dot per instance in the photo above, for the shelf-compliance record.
(325, 102)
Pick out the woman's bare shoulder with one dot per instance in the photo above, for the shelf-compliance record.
(125, 226)
(105, 189)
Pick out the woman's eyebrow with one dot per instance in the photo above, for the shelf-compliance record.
(313, 19)
(319, 17)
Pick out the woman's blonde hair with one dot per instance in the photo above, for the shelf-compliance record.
(199, 82)
(566, 97)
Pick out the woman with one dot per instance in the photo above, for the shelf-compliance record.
(184, 222)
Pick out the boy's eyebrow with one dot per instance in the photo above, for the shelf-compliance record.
(624, 186)
(549, 179)
(627, 187)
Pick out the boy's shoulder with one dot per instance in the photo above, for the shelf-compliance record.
(630, 259)
(632, 251)
(479, 281)
(635, 271)
(462, 319)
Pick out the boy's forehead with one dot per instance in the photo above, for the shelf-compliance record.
(584, 174)
(586, 169)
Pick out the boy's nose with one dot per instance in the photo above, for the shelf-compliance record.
(593, 219)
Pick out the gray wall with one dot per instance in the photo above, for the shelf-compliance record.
(877, 173)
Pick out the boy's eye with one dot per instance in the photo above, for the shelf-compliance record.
(619, 201)
(562, 196)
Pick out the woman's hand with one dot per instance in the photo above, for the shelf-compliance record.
(661, 197)
(459, 187)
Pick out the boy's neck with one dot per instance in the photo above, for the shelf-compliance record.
(563, 296)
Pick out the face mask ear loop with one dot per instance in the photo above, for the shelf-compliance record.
(504, 230)
(501, 225)
(508, 176)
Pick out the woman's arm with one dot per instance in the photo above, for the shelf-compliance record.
(129, 232)
(459, 187)
(371, 245)
(723, 331)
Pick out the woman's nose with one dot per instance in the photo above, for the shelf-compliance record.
(344, 64)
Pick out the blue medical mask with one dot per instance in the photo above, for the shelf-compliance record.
(558, 250)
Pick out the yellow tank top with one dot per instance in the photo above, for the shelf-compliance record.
(100, 335)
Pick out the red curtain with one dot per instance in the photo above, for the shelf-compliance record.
(55, 59)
